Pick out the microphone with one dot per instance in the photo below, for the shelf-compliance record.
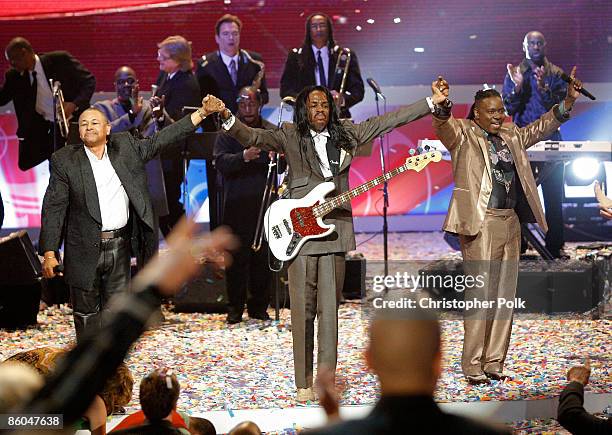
(375, 87)
(59, 268)
(583, 91)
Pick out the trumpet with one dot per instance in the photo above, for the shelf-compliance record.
(60, 113)
(271, 181)
(342, 65)
(260, 74)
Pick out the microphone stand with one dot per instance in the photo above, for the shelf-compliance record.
(384, 189)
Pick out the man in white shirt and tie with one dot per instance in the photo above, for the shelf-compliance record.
(314, 63)
(224, 72)
(27, 85)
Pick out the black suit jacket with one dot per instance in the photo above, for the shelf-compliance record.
(299, 72)
(573, 416)
(71, 208)
(78, 85)
(243, 183)
(214, 78)
(409, 414)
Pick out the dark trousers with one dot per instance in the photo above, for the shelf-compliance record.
(315, 283)
(90, 306)
(249, 271)
(173, 178)
(552, 191)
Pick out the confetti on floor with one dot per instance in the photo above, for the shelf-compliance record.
(250, 365)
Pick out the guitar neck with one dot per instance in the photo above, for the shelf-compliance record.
(336, 201)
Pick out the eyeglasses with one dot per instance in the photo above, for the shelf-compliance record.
(162, 57)
(129, 82)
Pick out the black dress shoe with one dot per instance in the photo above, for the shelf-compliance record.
(232, 319)
(477, 379)
(497, 376)
(260, 316)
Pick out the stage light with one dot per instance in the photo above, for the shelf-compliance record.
(585, 168)
(397, 20)
(370, 21)
(473, 36)
(358, 28)
(419, 50)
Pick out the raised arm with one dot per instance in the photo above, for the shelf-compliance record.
(552, 120)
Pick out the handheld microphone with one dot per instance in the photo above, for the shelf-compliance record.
(583, 91)
(59, 268)
(375, 87)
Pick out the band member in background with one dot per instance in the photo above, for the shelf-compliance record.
(494, 192)
(27, 85)
(178, 87)
(224, 72)
(531, 89)
(97, 203)
(142, 118)
(315, 64)
(318, 146)
(244, 172)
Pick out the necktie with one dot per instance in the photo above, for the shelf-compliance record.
(233, 71)
(321, 69)
(34, 84)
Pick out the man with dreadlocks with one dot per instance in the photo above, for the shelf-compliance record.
(314, 63)
(494, 192)
(319, 147)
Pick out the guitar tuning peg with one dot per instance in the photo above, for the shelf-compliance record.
(412, 151)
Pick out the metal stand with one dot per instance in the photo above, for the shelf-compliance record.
(385, 190)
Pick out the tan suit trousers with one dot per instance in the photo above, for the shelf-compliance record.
(493, 254)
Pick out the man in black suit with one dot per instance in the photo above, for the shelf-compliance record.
(97, 202)
(27, 85)
(177, 87)
(224, 72)
(404, 353)
(244, 174)
(315, 64)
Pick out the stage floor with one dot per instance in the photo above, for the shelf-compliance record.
(225, 372)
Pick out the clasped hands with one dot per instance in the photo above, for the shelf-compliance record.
(212, 104)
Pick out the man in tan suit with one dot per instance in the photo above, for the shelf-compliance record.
(494, 192)
(319, 147)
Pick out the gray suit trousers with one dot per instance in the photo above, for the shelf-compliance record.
(315, 286)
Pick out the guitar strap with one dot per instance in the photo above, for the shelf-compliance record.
(333, 155)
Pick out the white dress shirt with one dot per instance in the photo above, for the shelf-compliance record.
(325, 59)
(227, 59)
(44, 96)
(114, 202)
(320, 143)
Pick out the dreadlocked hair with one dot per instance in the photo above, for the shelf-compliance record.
(337, 133)
(481, 95)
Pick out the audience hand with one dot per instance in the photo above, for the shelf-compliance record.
(580, 373)
(184, 257)
(605, 203)
(329, 397)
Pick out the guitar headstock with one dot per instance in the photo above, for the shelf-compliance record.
(418, 162)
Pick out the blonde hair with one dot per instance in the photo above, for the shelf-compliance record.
(179, 50)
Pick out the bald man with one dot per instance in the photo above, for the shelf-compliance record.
(404, 352)
(97, 203)
(531, 89)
